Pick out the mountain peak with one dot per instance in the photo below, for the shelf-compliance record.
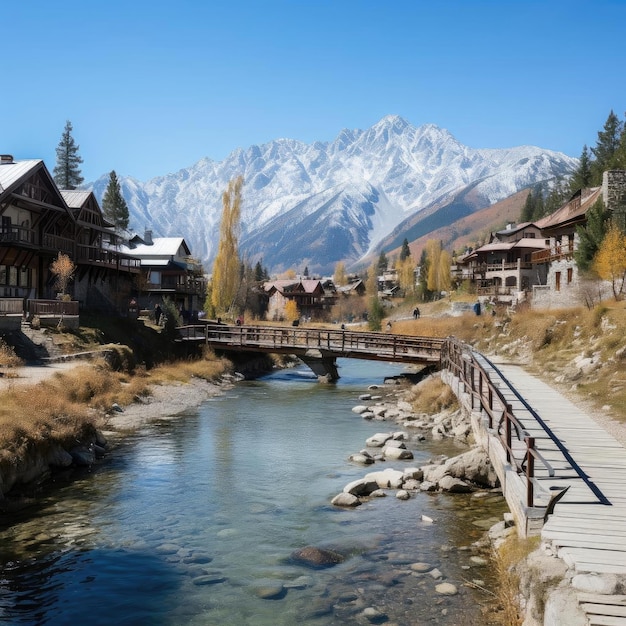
(392, 122)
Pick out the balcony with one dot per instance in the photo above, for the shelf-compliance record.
(18, 235)
(94, 255)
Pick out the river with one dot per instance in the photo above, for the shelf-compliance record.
(192, 521)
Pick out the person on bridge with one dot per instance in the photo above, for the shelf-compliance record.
(416, 313)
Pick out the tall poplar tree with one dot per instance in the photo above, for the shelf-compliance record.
(225, 282)
(114, 207)
(405, 252)
(66, 172)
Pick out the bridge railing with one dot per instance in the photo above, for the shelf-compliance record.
(462, 361)
(340, 342)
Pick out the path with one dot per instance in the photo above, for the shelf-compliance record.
(587, 528)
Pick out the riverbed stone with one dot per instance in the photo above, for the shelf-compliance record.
(361, 487)
(392, 453)
(269, 590)
(347, 500)
(454, 485)
(446, 589)
(209, 579)
(403, 494)
(411, 484)
(362, 459)
(387, 479)
(365, 396)
(378, 440)
(312, 556)
(374, 616)
(360, 408)
(421, 567)
(415, 473)
(83, 456)
(395, 443)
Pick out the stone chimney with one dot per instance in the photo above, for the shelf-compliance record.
(614, 189)
(147, 237)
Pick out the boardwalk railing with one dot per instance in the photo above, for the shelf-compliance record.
(462, 362)
(298, 340)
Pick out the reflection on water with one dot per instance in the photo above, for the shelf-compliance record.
(193, 521)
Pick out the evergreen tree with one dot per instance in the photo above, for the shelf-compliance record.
(258, 272)
(591, 235)
(583, 175)
(606, 147)
(528, 209)
(405, 251)
(306, 271)
(66, 172)
(556, 198)
(383, 263)
(114, 207)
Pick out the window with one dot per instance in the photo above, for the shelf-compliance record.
(557, 281)
(570, 274)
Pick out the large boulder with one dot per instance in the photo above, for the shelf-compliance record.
(378, 440)
(393, 453)
(361, 487)
(388, 478)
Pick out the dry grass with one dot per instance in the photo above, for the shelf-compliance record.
(432, 395)
(8, 358)
(511, 553)
(68, 406)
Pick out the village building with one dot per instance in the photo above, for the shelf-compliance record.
(313, 297)
(37, 221)
(501, 269)
(168, 270)
(563, 285)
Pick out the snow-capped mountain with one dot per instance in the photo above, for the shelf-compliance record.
(315, 204)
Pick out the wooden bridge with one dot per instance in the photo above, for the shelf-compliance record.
(318, 348)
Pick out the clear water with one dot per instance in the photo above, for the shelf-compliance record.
(193, 520)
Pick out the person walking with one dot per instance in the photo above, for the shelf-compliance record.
(157, 313)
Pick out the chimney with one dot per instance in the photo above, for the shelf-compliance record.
(613, 188)
(147, 237)
(6, 159)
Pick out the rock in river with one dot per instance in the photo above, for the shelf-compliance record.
(317, 557)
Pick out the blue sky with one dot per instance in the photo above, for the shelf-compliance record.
(151, 86)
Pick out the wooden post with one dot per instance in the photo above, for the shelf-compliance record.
(530, 471)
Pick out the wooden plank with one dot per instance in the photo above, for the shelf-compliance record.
(606, 620)
(605, 609)
(599, 598)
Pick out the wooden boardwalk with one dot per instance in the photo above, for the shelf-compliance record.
(587, 528)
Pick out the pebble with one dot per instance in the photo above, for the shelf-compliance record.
(446, 589)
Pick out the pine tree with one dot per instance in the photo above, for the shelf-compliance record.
(606, 147)
(591, 235)
(583, 175)
(66, 172)
(528, 209)
(405, 251)
(383, 263)
(258, 272)
(114, 207)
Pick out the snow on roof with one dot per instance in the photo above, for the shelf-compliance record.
(161, 246)
(10, 173)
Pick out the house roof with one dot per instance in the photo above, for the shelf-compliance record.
(505, 246)
(574, 210)
(308, 285)
(75, 199)
(161, 246)
(11, 173)
(514, 229)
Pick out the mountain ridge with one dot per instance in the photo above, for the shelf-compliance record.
(330, 201)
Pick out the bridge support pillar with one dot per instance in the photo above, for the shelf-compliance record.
(325, 367)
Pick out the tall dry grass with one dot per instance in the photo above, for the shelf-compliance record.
(69, 406)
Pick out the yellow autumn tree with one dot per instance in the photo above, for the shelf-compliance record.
(291, 311)
(339, 275)
(610, 260)
(406, 275)
(63, 269)
(439, 262)
(226, 266)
